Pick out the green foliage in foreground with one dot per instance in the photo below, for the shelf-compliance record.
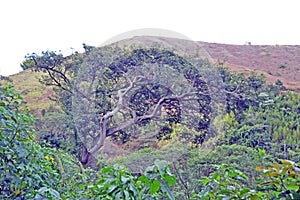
(31, 171)
(27, 169)
(280, 181)
(118, 183)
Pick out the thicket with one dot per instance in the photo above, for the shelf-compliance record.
(245, 154)
(30, 170)
(272, 125)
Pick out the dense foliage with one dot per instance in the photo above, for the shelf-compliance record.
(31, 171)
(250, 150)
(112, 92)
(25, 165)
(273, 126)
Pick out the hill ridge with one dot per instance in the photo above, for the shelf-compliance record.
(275, 62)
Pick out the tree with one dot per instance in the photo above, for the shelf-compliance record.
(119, 91)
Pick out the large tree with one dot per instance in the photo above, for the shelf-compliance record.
(118, 92)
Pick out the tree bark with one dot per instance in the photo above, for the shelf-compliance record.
(87, 159)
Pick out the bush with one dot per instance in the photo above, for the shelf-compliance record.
(28, 170)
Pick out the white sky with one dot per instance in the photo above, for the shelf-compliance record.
(37, 25)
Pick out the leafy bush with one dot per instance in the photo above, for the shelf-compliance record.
(280, 181)
(118, 183)
(225, 183)
(273, 126)
(30, 171)
(26, 169)
(23, 165)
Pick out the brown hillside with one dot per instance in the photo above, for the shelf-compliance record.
(275, 62)
(279, 62)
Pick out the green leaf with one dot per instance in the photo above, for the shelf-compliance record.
(292, 187)
(211, 195)
(205, 181)
(260, 194)
(106, 170)
(144, 179)
(244, 192)
(195, 195)
(161, 166)
(171, 180)
(225, 191)
(216, 177)
(154, 187)
(261, 152)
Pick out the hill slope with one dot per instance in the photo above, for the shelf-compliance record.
(275, 62)
(34, 93)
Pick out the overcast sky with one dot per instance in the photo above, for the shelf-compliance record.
(37, 25)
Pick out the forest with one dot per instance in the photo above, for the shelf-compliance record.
(148, 123)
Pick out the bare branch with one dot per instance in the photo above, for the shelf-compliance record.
(183, 97)
(121, 94)
(103, 123)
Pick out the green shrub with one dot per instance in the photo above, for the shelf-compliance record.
(118, 183)
(28, 170)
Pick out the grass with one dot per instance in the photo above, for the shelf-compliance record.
(34, 93)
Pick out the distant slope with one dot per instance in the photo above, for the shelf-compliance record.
(275, 62)
(34, 93)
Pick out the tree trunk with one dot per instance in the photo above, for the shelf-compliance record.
(87, 159)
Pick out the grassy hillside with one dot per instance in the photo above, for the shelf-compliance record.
(35, 94)
(275, 62)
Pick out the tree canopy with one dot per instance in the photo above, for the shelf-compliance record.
(116, 92)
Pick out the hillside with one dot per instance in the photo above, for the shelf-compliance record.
(210, 133)
(275, 62)
(34, 93)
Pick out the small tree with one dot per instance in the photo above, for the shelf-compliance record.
(278, 83)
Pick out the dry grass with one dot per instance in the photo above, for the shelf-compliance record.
(275, 62)
(34, 93)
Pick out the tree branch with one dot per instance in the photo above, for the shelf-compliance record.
(152, 115)
(103, 123)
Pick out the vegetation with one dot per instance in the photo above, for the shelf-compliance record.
(189, 130)
(31, 171)
(110, 99)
